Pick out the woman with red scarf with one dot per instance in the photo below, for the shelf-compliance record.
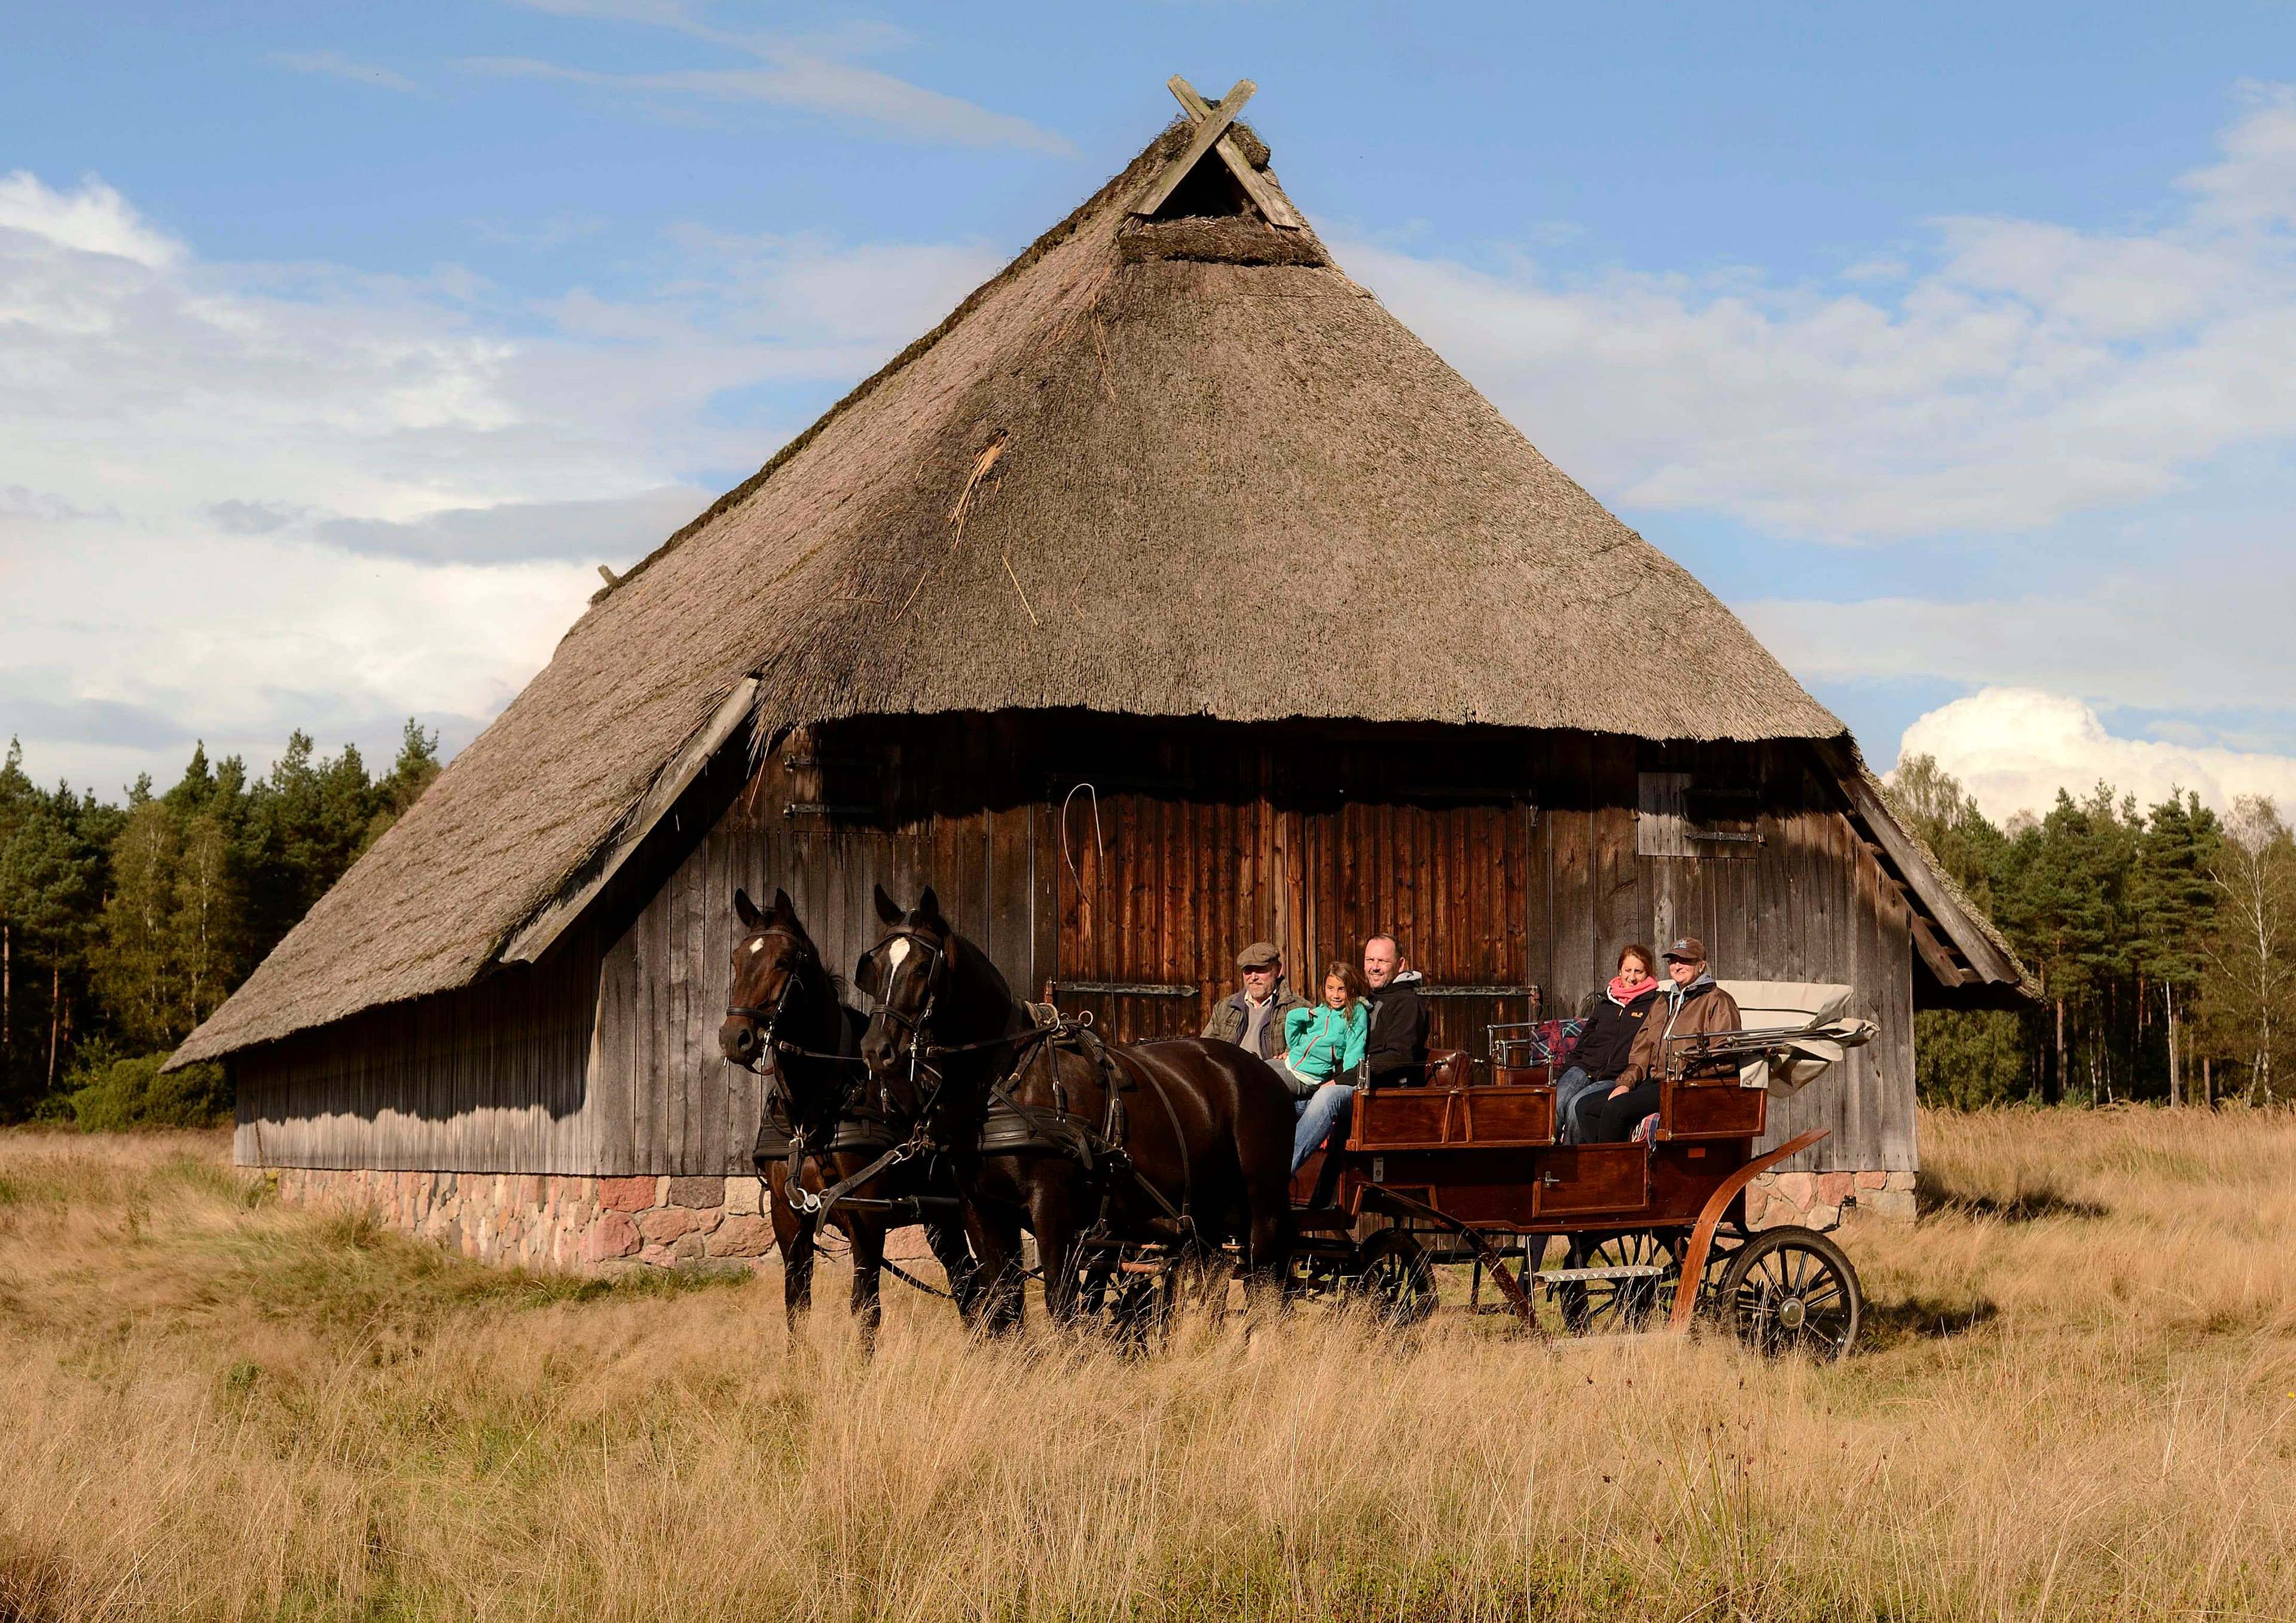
(1606, 1045)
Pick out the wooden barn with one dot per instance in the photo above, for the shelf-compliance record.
(1168, 596)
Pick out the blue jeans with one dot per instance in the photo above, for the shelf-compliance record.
(1316, 1113)
(1571, 1087)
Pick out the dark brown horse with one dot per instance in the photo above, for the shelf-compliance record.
(787, 1016)
(1197, 1153)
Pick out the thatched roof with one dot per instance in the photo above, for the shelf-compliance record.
(1170, 467)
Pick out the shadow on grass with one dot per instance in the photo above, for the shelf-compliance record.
(1934, 1197)
(1923, 1318)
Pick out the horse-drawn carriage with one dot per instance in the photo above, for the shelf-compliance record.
(1130, 1163)
(1468, 1168)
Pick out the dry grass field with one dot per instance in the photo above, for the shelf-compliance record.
(2078, 1399)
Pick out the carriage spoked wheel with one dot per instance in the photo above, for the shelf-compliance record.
(1790, 1291)
(1619, 1306)
(1394, 1281)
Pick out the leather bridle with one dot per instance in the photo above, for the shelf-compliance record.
(936, 955)
(767, 1019)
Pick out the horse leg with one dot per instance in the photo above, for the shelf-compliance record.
(868, 1237)
(794, 1233)
(1267, 1241)
(1050, 1218)
(996, 1241)
(947, 1238)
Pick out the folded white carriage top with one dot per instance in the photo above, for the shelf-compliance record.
(1801, 1026)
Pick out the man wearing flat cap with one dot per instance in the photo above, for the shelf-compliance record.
(1253, 1018)
(1693, 1006)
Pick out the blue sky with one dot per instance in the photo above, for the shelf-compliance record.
(1955, 347)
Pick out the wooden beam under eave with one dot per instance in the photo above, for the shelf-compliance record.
(534, 938)
(1986, 961)
(1936, 953)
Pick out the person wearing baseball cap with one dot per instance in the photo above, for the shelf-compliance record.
(1253, 1018)
(1694, 1005)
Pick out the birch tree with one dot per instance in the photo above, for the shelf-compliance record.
(2252, 978)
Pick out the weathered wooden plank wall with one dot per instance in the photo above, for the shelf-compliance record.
(1513, 863)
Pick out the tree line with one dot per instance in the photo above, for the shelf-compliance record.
(122, 927)
(2164, 942)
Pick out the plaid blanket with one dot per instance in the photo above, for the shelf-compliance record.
(1556, 1038)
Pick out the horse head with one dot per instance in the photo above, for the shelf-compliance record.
(772, 963)
(907, 974)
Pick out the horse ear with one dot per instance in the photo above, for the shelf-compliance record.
(746, 910)
(783, 905)
(888, 909)
(929, 906)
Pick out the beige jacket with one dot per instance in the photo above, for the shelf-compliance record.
(1704, 1007)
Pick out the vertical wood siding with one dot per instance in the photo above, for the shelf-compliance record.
(1517, 863)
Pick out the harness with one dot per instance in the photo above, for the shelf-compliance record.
(1013, 1126)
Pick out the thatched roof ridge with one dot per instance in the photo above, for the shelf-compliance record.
(1160, 469)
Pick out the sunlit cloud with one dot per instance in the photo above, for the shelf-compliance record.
(2013, 749)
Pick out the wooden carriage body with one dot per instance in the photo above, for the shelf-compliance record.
(1487, 1156)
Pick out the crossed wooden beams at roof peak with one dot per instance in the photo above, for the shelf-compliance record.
(1211, 135)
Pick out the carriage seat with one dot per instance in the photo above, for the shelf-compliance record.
(1449, 1067)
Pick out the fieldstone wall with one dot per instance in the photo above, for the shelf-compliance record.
(1820, 1200)
(544, 1220)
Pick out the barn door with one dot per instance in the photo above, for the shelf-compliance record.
(1157, 896)
(1447, 881)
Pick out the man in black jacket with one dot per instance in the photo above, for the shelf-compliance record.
(1395, 1054)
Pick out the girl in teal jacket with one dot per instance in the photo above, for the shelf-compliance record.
(1321, 1045)
(1327, 1039)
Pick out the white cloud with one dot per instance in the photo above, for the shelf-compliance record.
(238, 499)
(2028, 372)
(2213, 635)
(513, 532)
(334, 64)
(95, 219)
(812, 72)
(2015, 747)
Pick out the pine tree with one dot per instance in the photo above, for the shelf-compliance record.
(135, 969)
(47, 900)
(410, 774)
(1965, 1058)
(2174, 905)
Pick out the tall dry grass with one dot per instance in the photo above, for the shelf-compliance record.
(2076, 1403)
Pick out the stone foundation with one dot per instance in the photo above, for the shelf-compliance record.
(1821, 1200)
(552, 1221)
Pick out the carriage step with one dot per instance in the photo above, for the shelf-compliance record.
(1640, 1270)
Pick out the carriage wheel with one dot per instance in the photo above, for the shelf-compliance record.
(1395, 1280)
(1619, 1307)
(1791, 1291)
